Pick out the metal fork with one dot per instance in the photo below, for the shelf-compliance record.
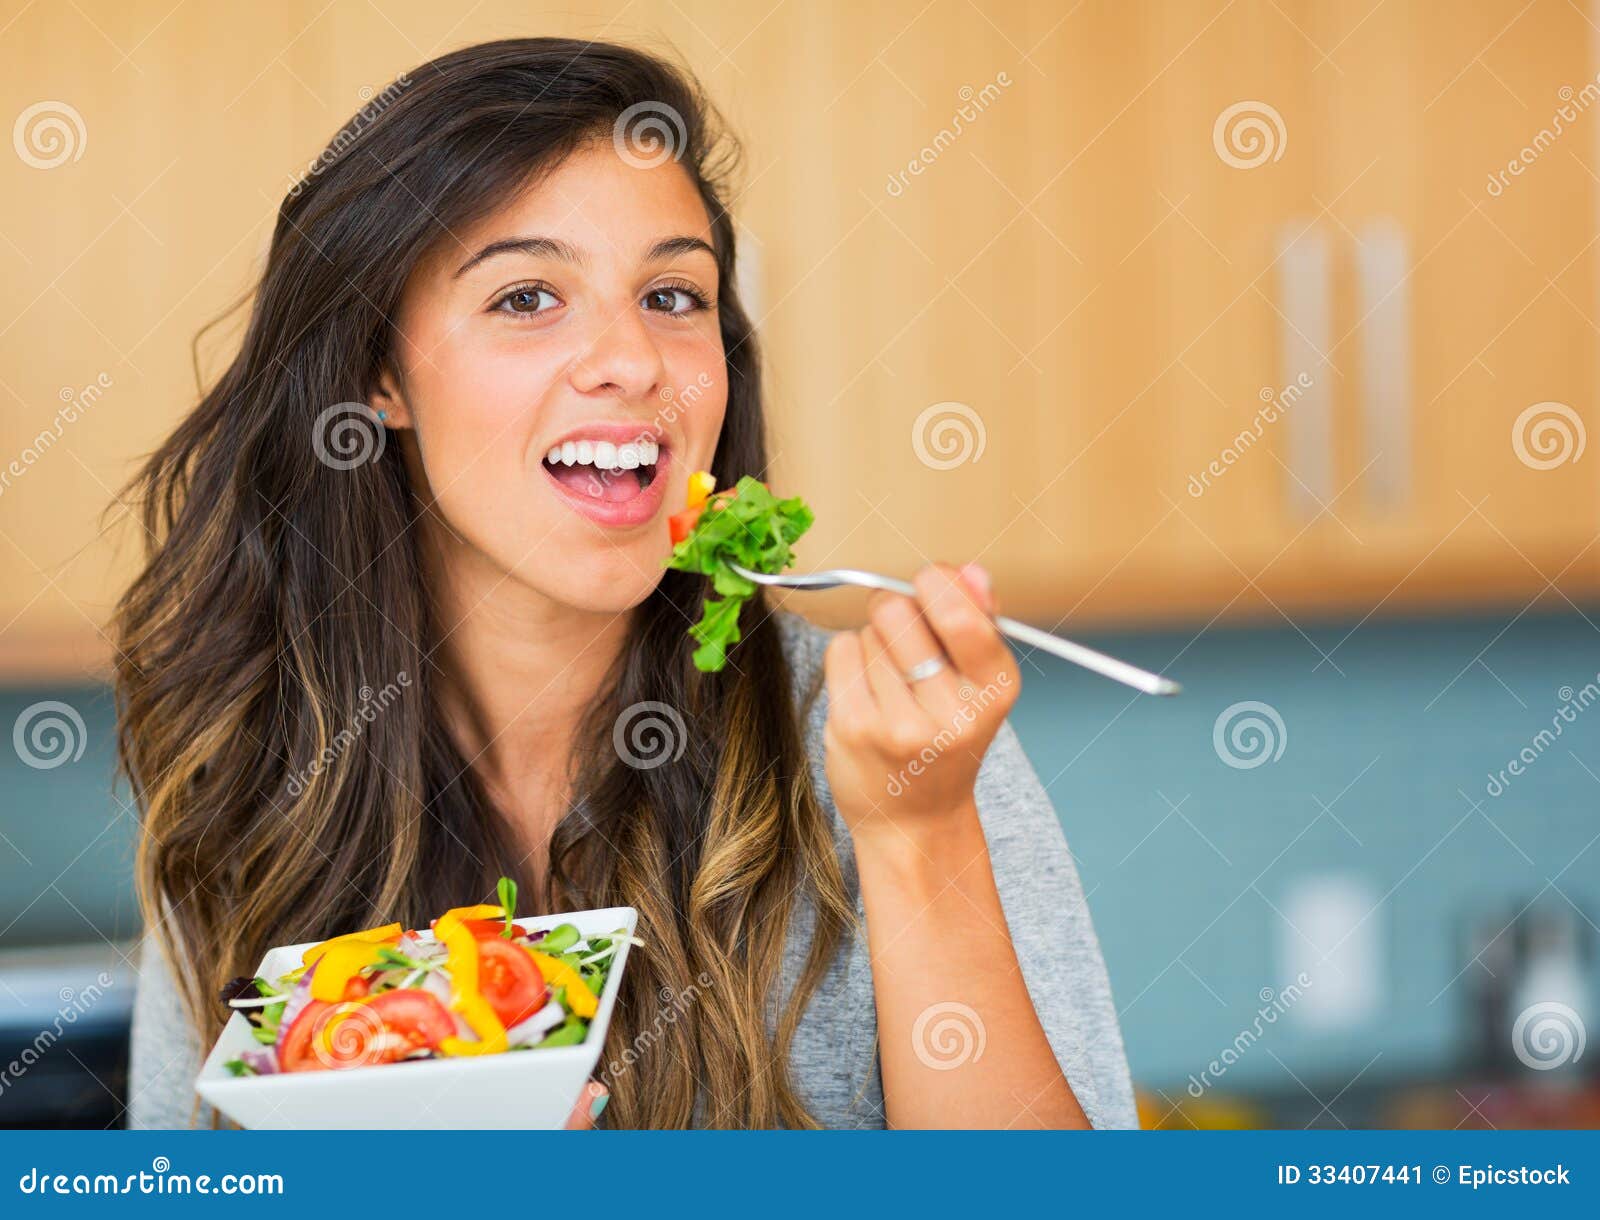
(1078, 654)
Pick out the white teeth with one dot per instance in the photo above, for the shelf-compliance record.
(605, 455)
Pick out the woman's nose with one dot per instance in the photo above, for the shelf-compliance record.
(620, 358)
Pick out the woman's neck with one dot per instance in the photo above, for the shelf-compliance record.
(520, 673)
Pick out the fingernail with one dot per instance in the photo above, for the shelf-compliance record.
(977, 578)
(598, 1105)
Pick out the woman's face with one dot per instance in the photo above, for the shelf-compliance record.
(562, 375)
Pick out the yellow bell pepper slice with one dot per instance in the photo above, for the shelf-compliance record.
(701, 484)
(377, 936)
(481, 911)
(465, 998)
(340, 959)
(556, 972)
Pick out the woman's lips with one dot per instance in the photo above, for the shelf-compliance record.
(606, 499)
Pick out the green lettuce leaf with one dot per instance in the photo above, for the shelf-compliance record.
(752, 528)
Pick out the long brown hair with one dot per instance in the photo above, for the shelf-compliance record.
(283, 601)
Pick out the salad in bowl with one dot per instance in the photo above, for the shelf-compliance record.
(478, 982)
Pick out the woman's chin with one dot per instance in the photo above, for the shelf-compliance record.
(613, 584)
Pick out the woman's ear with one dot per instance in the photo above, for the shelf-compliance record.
(389, 398)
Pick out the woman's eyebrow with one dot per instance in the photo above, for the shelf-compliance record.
(536, 247)
(550, 247)
(671, 247)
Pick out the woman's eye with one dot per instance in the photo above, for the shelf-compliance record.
(672, 300)
(527, 301)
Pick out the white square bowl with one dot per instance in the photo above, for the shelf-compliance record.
(525, 1090)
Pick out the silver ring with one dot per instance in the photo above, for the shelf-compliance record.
(924, 669)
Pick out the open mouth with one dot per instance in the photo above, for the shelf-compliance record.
(603, 471)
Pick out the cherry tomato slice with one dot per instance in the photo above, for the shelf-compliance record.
(681, 525)
(509, 981)
(484, 929)
(385, 1028)
(294, 1054)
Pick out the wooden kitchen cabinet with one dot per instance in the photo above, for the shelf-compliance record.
(1020, 209)
(1437, 98)
(1158, 298)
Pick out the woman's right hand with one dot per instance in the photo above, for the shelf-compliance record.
(590, 1105)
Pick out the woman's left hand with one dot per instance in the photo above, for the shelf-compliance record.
(915, 698)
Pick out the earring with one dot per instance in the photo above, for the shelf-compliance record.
(382, 415)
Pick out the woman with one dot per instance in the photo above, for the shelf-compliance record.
(386, 649)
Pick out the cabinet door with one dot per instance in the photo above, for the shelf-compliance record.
(1469, 422)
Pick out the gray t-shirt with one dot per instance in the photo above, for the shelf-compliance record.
(834, 1058)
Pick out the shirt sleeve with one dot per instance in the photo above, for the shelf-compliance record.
(164, 1052)
(1052, 933)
